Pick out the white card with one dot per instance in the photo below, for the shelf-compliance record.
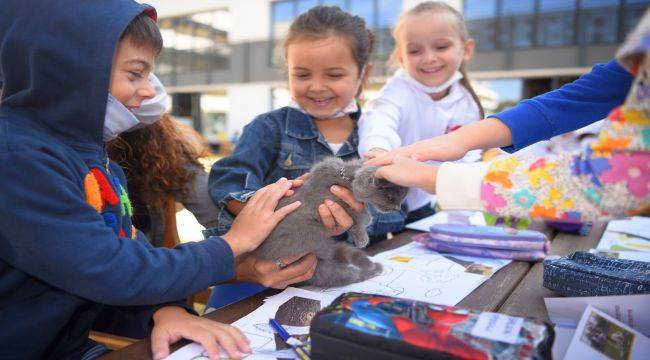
(600, 336)
(498, 327)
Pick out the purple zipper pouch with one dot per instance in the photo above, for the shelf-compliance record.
(487, 241)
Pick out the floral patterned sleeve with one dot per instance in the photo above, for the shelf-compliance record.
(609, 179)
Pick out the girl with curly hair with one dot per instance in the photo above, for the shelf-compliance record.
(162, 167)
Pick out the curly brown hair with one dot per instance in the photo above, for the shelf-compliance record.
(155, 159)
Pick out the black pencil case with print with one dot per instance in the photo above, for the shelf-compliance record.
(377, 327)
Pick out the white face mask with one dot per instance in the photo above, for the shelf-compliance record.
(119, 119)
(151, 110)
(350, 108)
(431, 89)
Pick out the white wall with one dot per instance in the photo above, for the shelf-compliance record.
(246, 102)
(249, 19)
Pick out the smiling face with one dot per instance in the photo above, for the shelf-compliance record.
(130, 72)
(430, 48)
(323, 75)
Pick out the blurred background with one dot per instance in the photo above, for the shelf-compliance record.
(222, 63)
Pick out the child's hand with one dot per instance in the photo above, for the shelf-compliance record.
(258, 218)
(334, 217)
(298, 268)
(374, 152)
(173, 323)
(441, 148)
(411, 173)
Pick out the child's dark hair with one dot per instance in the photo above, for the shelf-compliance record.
(459, 23)
(143, 31)
(325, 21)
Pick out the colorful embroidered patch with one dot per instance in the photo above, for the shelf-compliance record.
(107, 192)
(93, 194)
(111, 220)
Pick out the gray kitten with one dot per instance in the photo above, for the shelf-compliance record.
(301, 231)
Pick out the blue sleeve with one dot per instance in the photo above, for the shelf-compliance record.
(239, 175)
(383, 223)
(48, 231)
(132, 321)
(575, 105)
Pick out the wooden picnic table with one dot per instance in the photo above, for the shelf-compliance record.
(516, 289)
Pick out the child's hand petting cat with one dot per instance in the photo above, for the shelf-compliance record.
(440, 148)
(267, 273)
(374, 152)
(258, 218)
(334, 217)
(172, 323)
(410, 173)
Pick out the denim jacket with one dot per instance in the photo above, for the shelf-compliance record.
(281, 143)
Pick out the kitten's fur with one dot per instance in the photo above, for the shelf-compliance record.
(301, 231)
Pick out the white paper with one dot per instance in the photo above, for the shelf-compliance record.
(637, 226)
(448, 217)
(562, 341)
(256, 324)
(498, 327)
(600, 336)
(632, 310)
(626, 235)
(415, 272)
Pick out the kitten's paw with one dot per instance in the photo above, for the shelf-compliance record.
(361, 240)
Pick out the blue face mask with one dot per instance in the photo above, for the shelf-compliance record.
(119, 119)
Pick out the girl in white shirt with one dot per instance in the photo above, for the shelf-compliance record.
(429, 95)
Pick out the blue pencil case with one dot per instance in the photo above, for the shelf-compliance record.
(586, 274)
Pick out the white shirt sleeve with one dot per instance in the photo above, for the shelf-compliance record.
(458, 185)
(379, 124)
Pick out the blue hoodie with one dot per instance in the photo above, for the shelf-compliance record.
(68, 261)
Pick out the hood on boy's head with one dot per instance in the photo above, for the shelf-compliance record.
(55, 62)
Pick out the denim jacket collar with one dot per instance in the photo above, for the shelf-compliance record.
(302, 126)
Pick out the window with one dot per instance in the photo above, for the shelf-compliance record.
(556, 23)
(633, 11)
(481, 22)
(365, 9)
(380, 15)
(517, 19)
(599, 21)
(195, 43)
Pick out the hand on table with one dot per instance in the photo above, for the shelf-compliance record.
(172, 323)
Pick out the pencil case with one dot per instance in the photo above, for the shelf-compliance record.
(586, 274)
(486, 241)
(377, 327)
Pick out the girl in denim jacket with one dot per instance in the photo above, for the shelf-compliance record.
(328, 53)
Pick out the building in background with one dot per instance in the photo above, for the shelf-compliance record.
(222, 62)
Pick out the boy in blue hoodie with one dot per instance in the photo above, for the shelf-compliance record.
(70, 259)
